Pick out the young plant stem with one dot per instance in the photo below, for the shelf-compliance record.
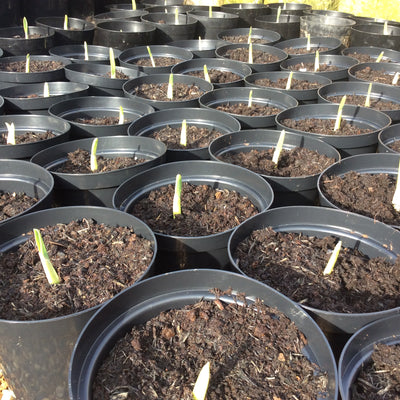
(176, 16)
(250, 101)
(308, 42)
(65, 22)
(170, 90)
(333, 258)
(396, 196)
(385, 28)
(316, 62)
(26, 27)
(210, 13)
(86, 51)
(121, 116)
(93, 155)
(112, 63)
(278, 148)
(339, 114)
(202, 381)
(289, 81)
(379, 58)
(153, 64)
(395, 78)
(133, 5)
(278, 14)
(51, 274)
(368, 98)
(206, 75)
(46, 90)
(250, 33)
(200, 43)
(28, 64)
(10, 133)
(250, 53)
(176, 205)
(183, 141)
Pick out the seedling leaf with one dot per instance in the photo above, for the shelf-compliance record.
(153, 64)
(206, 75)
(176, 16)
(250, 101)
(170, 90)
(289, 81)
(316, 62)
(26, 27)
(210, 14)
(183, 141)
(133, 5)
(65, 22)
(202, 381)
(395, 78)
(368, 98)
(250, 53)
(339, 114)
(396, 196)
(112, 63)
(278, 14)
(176, 206)
(121, 116)
(385, 28)
(333, 258)
(46, 90)
(308, 42)
(85, 49)
(28, 63)
(93, 156)
(250, 33)
(10, 133)
(379, 58)
(278, 148)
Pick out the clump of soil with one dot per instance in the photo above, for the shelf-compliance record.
(93, 260)
(34, 66)
(373, 75)
(245, 39)
(106, 120)
(205, 210)
(303, 50)
(196, 136)
(292, 163)
(366, 194)
(158, 61)
(158, 91)
(259, 57)
(376, 103)
(309, 67)
(217, 75)
(255, 110)
(281, 83)
(395, 146)
(12, 204)
(293, 264)
(379, 377)
(325, 126)
(252, 350)
(27, 137)
(366, 58)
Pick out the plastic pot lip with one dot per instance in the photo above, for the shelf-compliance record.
(391, 132)
(369, 29)
(244, 6)
(52, 22)
(195, 45)
(258, 33)
(204, 15)
(44, 32)
(149, 19)
(372, 50)
(290, 6)
(74, 211)
(290, 19)
(119, 14)
(325, 19)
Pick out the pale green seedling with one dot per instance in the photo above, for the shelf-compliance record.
(278, 14)
(28, 63)
(170, 90)
(46, 90)
(333, 258)
(250, 53)
(316, 62)
(289, 81)
(368, 98)
(395, 78)
(183, 141)
(176, 205)
(86, 51)
(10, 133)
(153, 64)
(250, 33)
(250, 100)
(396, 196)
(279, 147)
(379, 58)
(65, 22)
(121, 119)
(308, 42)
(93, 155)
(133, 5)
(339, 113)
(202, 381)
(210, 12)
(206, 74)
(112, 63)
(25, 27)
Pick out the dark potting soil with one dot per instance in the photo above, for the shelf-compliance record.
(395, 146)
(28, 137)
(255, 352)
(303, 50)
(245, 39)
(79, 163)
(12, 204)
(379, 377)
(100, 120)
(281, 83)
(94, 262)
(34, 66)
(293, 263)
(255, 110)
(259, 57)
(196, 137)
(217, 75)
(205, 210)
(158, 61)
(295, 162)
(366, 194)
(325, 126)
(371, 75)
(309, 67)
(366, 58)
(158, 91)
(376, 103)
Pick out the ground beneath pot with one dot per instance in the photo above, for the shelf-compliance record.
(12, 204)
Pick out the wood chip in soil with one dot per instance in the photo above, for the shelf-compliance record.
(93, 260)
(217, 75)
(259, 57)
(245, 39)
(252, 350)
(372, 75)
(309, 67)
(27, 137)
(12, 204)
(205, 210)
(293, 263)
(377, 103)
(255, 110)
(159, 91)
(34, 66)
(281, 83)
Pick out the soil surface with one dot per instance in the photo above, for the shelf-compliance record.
(12, 204)
(281, 83)
(259, 57)
(245, 39)
(100, 121)
(255, 110)
(158, 61)
(217, 75)
(325, 126)
(196, 137)
(366, 58)
(27, 137)
(371, 75)
(376, 103)
(34, 66)
(395, 146)
(79, 163)
(205, 210)
(94, 262)
(366, 194)
(379, 377)
(158, 91)
(295, 162)
(252, 350)
(309, 67)
(303, 50)
(293, 264)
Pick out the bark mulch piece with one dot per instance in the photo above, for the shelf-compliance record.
(100, 120)
(259, 57)
(255, 110)
(205, 210)
(303, 50)
(325, 126)
(217, 75)
(359, 100)
(94, 262)
(366, 58)
(196, 137)
(366, 194)
(79, 163)
(12, 204)
(253, 350)
(245, 39)
(158, 61)
(28, 137)
(372, 75)
(281, 83)
(309, 67)
(34, 66)
(293, 263)
(292, 163)
(379, 377)
(158, 91)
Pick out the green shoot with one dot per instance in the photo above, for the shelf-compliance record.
(284, 5)
(339, 114)
(86, 51)
(385, 28)
(202, 381)
(396, 196)
(121, 116)
(176, 206)
(251, 53)
(368, 98)
(308, 42)
(379, 58)
(278, 148)
(183, 141)
(333, 258)
(165, 10)
(93, 156)
(46, 90)
(49, 270)
(206, 75)
(26, 27)
(10, 133)
(278, 14)
(250, 33)
(170, 90)
(176, 16)
(153, 64)
(316, 62)
(395, 78)
(112, 63)
(27, 64)
(200, 43)
(289, 81)
(250, 101)
(65, 22)
(210, 14)
(133, 5)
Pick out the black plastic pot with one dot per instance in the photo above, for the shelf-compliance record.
(208, 28)
(130, 57)
(129, 15)
(386, 68)
(79, 30)
(169, 29)
(373, 52)
(256, 33)
(21, 98)
(42, 8)
(10, 13)
(302, 96)
(98, 106)
(372, 35)
(175, 290)
(329, 13)
(210, 119)
(95, 76)
(247, 12)
(200, 48)
(35, 354)
(378, 92)
(371, 20)
(13, 42)
(76, 53)
(288, 26)
(241, 95)
(343, 63)
(346, 145)
(183, 252)
(19, 176)
(129, 90)
(180, 9)
(97, 189)
(386, 137)
(121, 34)
(124, 6)
(289, 8)
(197, 65)
(301, 190)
